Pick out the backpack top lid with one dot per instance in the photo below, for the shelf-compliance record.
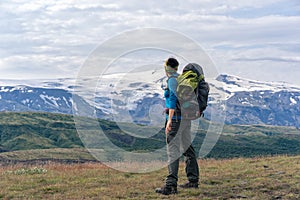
(194, 67)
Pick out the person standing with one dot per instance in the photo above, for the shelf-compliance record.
(178, 135)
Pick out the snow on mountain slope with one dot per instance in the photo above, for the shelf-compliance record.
(237, 84)
(255, 102)
(138, 97)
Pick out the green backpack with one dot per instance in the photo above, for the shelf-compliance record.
(192, 92)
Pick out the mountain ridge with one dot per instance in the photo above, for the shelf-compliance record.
(134, 100)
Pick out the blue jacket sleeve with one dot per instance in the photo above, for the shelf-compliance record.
(172, 84)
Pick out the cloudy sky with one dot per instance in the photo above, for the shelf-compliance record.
(253, 39)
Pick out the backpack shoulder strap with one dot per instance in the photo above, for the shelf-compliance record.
(173, 76)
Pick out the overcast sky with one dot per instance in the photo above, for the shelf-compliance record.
(51, 39)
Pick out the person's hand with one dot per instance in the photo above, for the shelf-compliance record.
(168, 127)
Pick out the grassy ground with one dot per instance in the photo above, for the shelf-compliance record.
(251, 178)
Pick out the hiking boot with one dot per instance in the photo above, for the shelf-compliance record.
(166, 190)
(189, 185)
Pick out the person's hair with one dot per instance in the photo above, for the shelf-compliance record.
(172, 62)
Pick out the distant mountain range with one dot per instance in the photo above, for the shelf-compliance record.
(133, 99)
(254, 102)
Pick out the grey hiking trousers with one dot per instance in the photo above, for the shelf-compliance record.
(178, 142)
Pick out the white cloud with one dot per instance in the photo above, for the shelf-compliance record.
(39, 34)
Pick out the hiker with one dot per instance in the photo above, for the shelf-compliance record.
(178, 135)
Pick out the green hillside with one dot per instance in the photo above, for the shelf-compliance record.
(30, 131)
(24, 131)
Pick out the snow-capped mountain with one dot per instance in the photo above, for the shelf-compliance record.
(138, 97)
(254, 102)
(236, 84)
(26, 98)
